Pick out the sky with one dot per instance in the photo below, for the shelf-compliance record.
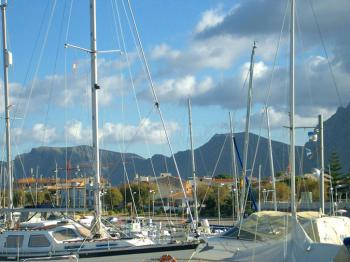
(197, 49)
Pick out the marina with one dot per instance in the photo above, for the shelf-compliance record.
(172, 131)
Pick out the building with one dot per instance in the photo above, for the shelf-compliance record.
(73, 193)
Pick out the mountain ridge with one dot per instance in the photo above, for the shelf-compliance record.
(206, 155)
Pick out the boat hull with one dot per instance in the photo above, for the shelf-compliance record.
(143, 253)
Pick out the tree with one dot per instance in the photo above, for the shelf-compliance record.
(29, 198)
(44, 197)
(113, 198)
(335, 167)
(18, 198)
(223, 176)
(282, 191)
(206, 199)
(208, 195)
(141, 193)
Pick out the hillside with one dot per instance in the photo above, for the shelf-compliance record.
(45, 159)
(337, 138)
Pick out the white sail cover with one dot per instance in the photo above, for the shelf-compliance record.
(270, 236)
(297, 247)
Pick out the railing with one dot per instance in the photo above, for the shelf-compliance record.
(70, 258)
(285, 206)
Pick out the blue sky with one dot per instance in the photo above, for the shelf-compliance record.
(197, 49)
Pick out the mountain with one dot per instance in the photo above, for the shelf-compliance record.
(336, 135)
(41, 161)
(336, 139)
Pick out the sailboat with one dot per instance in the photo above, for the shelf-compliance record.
(67, 239)
(279, 236)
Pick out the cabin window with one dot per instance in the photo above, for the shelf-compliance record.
(38, 241)
(14, 241)
(65, 234)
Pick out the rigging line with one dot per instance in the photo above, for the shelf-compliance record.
(266, 103)
(137, 103)
(246, 79)
(135, 95)
(115, 24)
(39, 62)
(307, 78)
(16, 111)
(65, 133)
(203, 161)
(326, 54)
(212, 174)
(52, 80)
(76, 131)
(69, 18)
(275, 57)
(166, 164)
(37, 68)
(32, 54)
(23, 169)
(65, 87)
(156, 102)
(122, 155)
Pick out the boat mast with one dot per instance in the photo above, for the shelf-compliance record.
(274, 198)
(259, 189)
(292, 110)
(193, 165)
(247, 126)
(7, 58)
(234, 174)
(95, 140)
(320, 124)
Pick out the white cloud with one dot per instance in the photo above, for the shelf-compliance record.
(164, 51)
(210, 18)
(75, 132)
(181, 88)
(146, 131)
(44, 134)
(280, 118)
(39, 133)
(260, 70)
(60, 91)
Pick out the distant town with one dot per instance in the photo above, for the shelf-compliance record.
(164, 193)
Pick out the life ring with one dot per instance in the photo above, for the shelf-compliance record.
(167, 258)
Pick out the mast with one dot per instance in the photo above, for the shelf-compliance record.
(95, 140)
(274, 198)
(320, 123)
(7, 58)
(247, 126)
(259, 189)
(193, 165)
(234, 173)
(292, 111)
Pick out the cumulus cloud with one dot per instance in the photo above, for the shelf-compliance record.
(164, 51)
(39, 133)
(279, 119)
(210, 18)
(315, 91)
(214, 53)
(74, 132)
(146, 131)
(261, 19)
(60, 91)
(180, 89)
